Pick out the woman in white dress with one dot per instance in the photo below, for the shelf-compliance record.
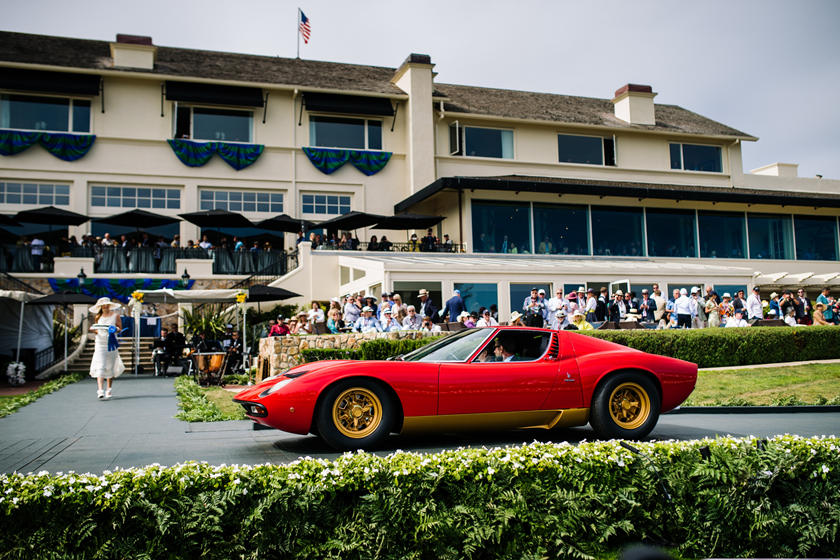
(106, 364)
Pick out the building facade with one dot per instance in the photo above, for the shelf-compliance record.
(535, 188)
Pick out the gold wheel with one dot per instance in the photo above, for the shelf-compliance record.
(357, 412)
(629, 405)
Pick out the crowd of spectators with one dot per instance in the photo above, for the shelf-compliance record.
(429, 243)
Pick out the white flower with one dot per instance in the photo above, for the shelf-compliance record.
(767, 473)
(825, 469)
(107, 495)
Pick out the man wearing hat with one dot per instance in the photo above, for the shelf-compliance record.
(682, 307)
(738, 320)
(774, 305)
(534, 309)
(389, 323)
(589, 310)
(427, 307)
(617, 310)
(486, 320)
(560, 321)
(647, 307)
(454, 306)
(367, 322)
(828, 301)
(755, 311)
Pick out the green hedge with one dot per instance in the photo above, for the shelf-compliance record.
(749, 499)
(17, 401)
(732, 347)
(377, 349)
(194, 405)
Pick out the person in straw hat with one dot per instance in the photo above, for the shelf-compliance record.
(106, 363)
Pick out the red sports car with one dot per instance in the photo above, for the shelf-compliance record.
(483, 378)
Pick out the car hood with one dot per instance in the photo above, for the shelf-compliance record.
(303, 369)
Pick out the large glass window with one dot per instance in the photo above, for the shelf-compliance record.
(723, 235)
(518, 293)
(693, 157)
(617, 231)
(337, 132)
(585, 149)
(771, 236)
(816, 238)
(26, 112)
(488, 142)
(330, 204)
(476, 296)
(241, 201)
(501, 227)
(201, 123)
(670, 233)
(135, 197)
(561, 229)
(42, 194)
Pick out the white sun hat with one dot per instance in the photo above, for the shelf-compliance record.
(104, 302)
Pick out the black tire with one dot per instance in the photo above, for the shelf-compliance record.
(355, 414)
(626, 406)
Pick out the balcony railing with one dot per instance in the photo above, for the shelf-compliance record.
(21, 259)
(404, 247)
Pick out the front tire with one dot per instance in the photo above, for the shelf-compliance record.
(355, 414)
(625, 406)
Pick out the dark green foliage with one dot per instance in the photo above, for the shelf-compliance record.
(749, 499)
(732, 347)
(378, 349)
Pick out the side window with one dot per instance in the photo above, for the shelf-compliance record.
(515, 346)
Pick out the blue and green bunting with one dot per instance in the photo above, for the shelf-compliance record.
(327, 160)
(68, 147)
(115, 288)
(196, 154)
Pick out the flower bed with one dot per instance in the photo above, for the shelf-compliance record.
(729, 497)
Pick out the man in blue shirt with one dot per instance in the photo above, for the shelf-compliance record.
(454, 306)
(367, 322)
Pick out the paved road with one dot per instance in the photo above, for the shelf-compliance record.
(72, 430)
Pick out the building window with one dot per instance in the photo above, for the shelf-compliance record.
(693, 157)
(593, 150)
(771, 236)
(476, 296)
(42, 194)
(480, 142)
(135, 197)
(723, 235)
(55, 114)
(816, 238)
(330, 204)
(617, 231)
(670, 233)
(338, 132)
(561, 229)
(201, 123)
(501, 227)
(241, 201)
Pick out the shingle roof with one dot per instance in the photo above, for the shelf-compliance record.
(24, 48)
(573, 110)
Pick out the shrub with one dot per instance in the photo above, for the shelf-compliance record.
(732, 347)
(194, 405)
(18, 401)
(750, 498)
(377, 349)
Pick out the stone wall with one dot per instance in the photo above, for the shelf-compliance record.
(283, 352)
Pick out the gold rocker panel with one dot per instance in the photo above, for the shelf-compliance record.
(545, 419)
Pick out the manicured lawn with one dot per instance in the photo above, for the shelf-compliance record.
(807, 384)
(224, 402)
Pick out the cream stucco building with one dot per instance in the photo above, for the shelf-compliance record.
(536, 189)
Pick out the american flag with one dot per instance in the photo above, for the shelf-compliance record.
(303, 27)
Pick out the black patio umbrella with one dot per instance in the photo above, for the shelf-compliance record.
(351, 220)
(52, 216)
(409, 221)
(64, 299)
(269, 293)
(217, 219)
(7, 221)
(284, 222)
(138, 219)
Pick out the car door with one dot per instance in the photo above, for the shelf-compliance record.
(477, 387)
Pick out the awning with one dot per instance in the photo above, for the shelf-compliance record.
(408, 221)
(348, 104)
(49, 82)
(18, 295)
(214, 94)
(167, 295)
(351, 220)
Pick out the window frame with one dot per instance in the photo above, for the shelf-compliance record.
(603, 149)
(682, 157)
(461, 146)
(242, 201)
(167, 190)
(177, 105)
(326, 204)
(348, 117)
(70, 110)
(4, 193)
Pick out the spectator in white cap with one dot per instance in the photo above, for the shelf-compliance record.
(486, 320)
(738, 320)
(560, 321)
(389, 324)
(755, 311)
(367, 322)
(726, 308)
(682, 307)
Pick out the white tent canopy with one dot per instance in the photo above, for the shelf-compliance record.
(34, 332)
(18, 295)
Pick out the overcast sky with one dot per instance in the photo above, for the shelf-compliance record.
(766, 67)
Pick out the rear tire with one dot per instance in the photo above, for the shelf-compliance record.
(355, 414)
(625, 406)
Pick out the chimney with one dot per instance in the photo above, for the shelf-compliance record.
(133, 51)
(778, 170)
(634, 104)
(415, 77)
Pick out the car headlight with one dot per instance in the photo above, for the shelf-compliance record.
(276, 387)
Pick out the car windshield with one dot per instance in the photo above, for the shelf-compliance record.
(454, 348)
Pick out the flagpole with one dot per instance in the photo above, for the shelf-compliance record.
(297, 32)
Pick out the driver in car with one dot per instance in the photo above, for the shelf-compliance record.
(505, 350)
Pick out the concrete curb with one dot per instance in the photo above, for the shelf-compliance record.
(753, 409)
